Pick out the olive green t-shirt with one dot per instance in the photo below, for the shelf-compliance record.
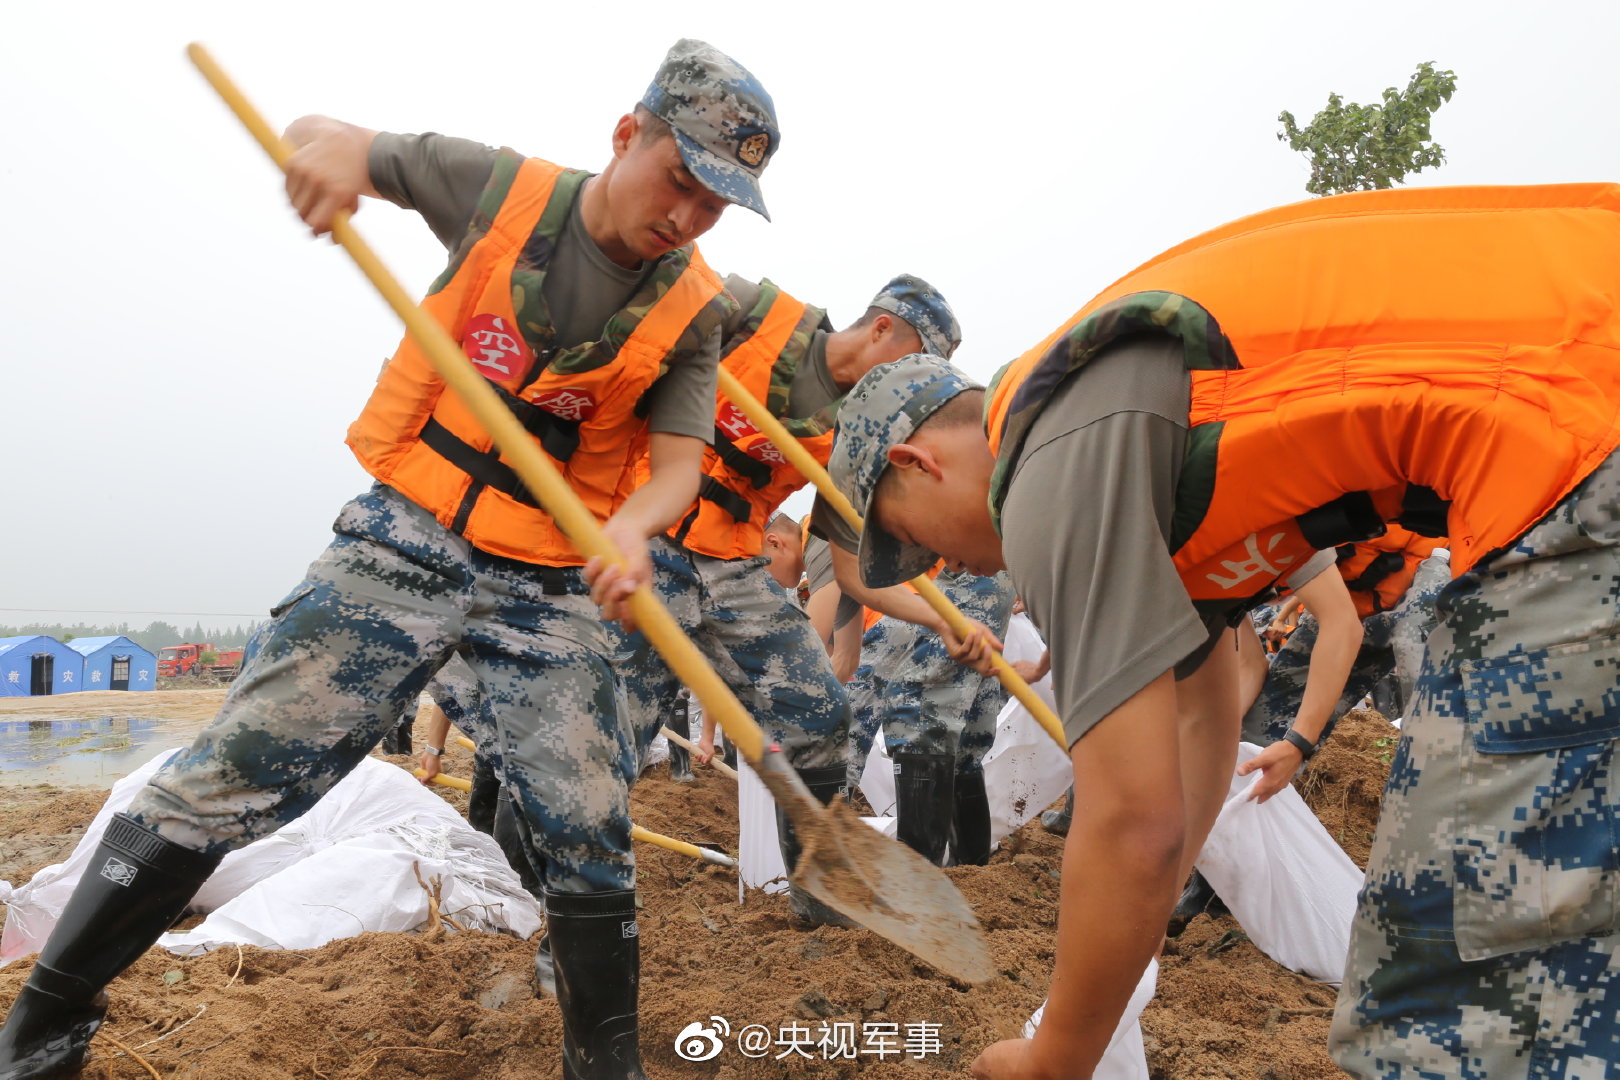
(1086, 528)
(441, 178)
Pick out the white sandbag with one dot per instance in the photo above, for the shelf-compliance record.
(1025, 771)
(1290, 886)
(265, 893)
(1126, 1056)
(759, 856)
(877, 777)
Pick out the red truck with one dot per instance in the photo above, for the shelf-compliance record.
(189, 659)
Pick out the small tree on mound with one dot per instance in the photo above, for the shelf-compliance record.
(1362, 147)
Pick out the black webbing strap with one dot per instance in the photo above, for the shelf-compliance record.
(713, 490)
(1387, 563)
(756, 472)
(1423, 511)
(483, 466)
(1352, 516)
(558, 436)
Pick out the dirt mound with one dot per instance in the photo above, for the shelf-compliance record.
(1344, 784)
(461, 1006)
(1224, 1009)
(39, 826)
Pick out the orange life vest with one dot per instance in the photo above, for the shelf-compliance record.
(1380, 570)
(745, 477)
(1440, 357)
(579, 403)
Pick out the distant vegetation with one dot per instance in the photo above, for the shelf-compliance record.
(155, 636)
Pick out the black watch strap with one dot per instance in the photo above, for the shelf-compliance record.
(1301, 743)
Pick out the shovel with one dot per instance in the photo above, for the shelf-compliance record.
(811, 470)
(850, 867)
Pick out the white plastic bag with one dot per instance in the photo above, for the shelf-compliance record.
(1126, 1056)
(341, 869)
(1287, 882)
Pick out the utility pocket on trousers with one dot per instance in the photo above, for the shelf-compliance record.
(1536, 861)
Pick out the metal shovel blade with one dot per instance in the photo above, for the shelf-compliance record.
(880, 883)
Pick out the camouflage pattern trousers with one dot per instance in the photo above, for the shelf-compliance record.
(755, 635)
(388, 603)
(1392, 640)
(1482, 944)
(924, 701)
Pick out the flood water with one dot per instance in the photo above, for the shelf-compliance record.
(91, 751)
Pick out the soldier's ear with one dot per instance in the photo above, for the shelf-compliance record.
(625, 133)
(913, 457)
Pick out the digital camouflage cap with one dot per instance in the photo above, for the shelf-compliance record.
(925, 310)
(880, 412)
(723, 120)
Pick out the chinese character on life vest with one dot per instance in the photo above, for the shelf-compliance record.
(733, 422)
(570, 403)
(490, 344)
(766, 451)
(1255, 564)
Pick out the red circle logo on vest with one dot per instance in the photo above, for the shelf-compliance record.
(492, 344)
(569, 402)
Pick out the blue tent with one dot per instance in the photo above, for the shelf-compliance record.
(34, 665)
(115, 663)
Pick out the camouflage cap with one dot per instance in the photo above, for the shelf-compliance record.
(724, 121)
(921, 305)
(880, 412)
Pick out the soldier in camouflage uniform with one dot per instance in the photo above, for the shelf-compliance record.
(938, 719)
(719, 587)
(1496, 844)
(400, 590)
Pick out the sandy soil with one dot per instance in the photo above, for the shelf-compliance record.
(461, 1006)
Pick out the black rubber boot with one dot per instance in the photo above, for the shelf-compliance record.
(397, 739)
(826, 783)
(970, 832)
(511, 832)
(1196, 899)
(680, 758)
(594, 941)
(136, 886)
(1057, 821)
(483, 801)
(924, 803)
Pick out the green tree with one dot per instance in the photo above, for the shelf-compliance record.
(1361, 147)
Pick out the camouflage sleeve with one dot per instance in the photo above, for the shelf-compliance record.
(1084, 527)
(746, 293)
(682, 401)
(438, 176)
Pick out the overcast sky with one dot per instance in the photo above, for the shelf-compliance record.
(182, 359)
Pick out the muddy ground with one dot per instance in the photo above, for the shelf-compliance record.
(460, 1006)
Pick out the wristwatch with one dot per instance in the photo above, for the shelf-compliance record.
(1301, 743)
(436, 751)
